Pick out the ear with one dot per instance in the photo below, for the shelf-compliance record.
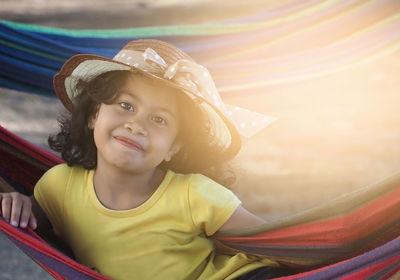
(92, 121)
(174, 149)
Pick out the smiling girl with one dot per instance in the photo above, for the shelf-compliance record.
(145, 147)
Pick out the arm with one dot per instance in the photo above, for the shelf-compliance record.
(241, 219)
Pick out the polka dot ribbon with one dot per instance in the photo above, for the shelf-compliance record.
(196, 79)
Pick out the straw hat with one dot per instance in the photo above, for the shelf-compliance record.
(164, 62)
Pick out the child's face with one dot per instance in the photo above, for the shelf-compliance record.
(138, 130)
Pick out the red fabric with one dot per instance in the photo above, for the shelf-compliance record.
(28, 164)
(335, 231)
(28, 148)
(18, 170)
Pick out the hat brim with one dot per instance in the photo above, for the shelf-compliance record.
(87, 66)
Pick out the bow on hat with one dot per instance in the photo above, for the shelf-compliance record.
(195, 79)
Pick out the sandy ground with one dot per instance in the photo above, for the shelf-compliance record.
(16, 265)
(87, 14)
(334, 134)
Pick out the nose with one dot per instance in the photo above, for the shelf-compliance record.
(135, 128)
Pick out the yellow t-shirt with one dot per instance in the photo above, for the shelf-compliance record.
(164, 238)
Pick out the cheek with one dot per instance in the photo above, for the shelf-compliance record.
(97, 136)
(164, 139)
(105, 118)
(173, 136)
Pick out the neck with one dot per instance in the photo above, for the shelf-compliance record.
(120, 190)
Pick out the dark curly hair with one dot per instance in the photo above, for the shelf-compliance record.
(76, 144)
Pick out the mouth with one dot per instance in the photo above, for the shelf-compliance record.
(129, 143)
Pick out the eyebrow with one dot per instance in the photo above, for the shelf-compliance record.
(158, 108)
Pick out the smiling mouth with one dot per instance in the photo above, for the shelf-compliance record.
(129, 143)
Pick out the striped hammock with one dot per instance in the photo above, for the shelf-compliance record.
(355, 236)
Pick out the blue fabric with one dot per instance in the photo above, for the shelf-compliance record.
(29, 60)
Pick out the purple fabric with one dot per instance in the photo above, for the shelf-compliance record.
(378, 255)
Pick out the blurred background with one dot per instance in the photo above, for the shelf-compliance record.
(327, 70)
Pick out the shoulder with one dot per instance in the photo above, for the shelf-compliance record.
(200, 188)
(52, 186)
(55, 172)
(205, 186)
(59, 175)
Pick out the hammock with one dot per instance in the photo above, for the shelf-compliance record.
(353, 237)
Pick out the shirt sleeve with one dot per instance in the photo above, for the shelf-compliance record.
(49, 192)
(211, 204)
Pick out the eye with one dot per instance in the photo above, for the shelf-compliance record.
(159, 120)
(126, 106)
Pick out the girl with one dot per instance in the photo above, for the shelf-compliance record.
(144, 148)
